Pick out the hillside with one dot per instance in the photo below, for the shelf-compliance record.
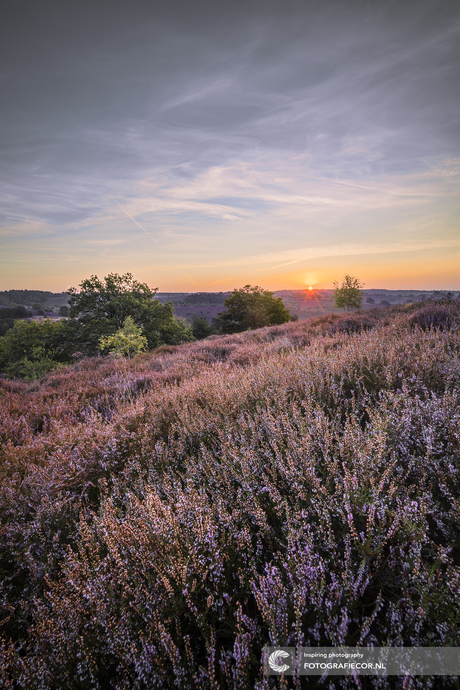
(47, 300)
(301, 303)
(165, 518)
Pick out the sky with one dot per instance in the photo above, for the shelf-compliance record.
(203, 146)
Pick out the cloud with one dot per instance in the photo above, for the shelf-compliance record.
(297, 255)
(249, 191)
(306, 253)
(107, 241)
(230, 132)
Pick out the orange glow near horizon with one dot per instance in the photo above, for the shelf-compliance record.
(310, 296)
(403, 273)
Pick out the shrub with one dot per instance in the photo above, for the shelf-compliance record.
(297, 488)
(38, 365)
(434, 317)
(201, 328)
(31, 341)
(353, 324)
(126, 342)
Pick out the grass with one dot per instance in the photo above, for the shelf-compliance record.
(165, 518)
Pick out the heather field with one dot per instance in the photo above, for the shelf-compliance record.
(164, 518)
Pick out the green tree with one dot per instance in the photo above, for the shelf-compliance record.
(350, 294)
(100, 307)
(31, 348)
(201, 328)
(252, 307)
(8, 315)
(127, 341)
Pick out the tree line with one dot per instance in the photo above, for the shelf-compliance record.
(16, 298)
(120, 315)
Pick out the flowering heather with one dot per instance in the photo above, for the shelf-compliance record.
(165, 518)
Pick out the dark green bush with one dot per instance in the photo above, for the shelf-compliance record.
(201, 328)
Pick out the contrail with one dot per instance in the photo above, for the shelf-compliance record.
(132, 218)
(261, 270)
(78, 166)
(222, 280)
(117, 202)
(22, 115)
(187, 276)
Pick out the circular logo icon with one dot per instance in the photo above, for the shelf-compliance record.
(274, 660)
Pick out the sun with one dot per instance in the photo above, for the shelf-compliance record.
(310, 287)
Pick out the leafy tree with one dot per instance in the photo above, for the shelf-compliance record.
(100, 308)
(8, 316)
(201, 328)
(127, 341)
(32, 348)
(63, 310)
(30, 368)
(252, 307)
(350, 294)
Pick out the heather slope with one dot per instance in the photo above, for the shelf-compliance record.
(165, 518)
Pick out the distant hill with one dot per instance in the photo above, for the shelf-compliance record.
(190, 304)
(305, 303)
(301, 303)
(13, 298)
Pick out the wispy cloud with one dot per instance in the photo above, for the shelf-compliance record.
(306, 253)
(107, 241)
(249, 191)
(261, 135)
